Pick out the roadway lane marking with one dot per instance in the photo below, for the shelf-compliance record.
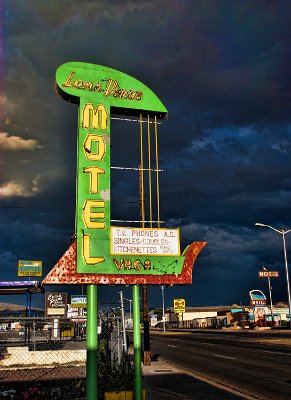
(208, 344)
(174, 394)
(170, 345)
(275, 352)
(219, 355)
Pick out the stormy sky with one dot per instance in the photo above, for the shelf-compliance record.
(221, 68)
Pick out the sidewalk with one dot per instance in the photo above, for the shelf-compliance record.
(162, 381)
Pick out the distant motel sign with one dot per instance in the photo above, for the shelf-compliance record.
(179, 306)
(146, 241)
(258, 302)
(257, 298)
(56, 303)
(268, 274)
(78, 301)
(29, 268)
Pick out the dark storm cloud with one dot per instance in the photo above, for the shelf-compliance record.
(221, 69)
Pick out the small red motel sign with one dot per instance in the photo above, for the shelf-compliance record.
(268, 274)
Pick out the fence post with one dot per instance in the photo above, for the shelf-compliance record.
(118, 341)
(34, 336)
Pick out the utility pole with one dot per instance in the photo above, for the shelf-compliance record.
(146, 325)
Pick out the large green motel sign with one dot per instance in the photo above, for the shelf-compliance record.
(101, 249)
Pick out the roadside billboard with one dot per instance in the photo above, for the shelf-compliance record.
(29, 268)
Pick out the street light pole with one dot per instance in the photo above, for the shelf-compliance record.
(123, 323)
(287, 274)
(282, 232)
(130, 313)
(130, 309)
(271, 300)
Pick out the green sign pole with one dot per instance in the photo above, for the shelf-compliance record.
(136, 344)
(92, 343)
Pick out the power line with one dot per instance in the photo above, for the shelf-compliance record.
(23, 206)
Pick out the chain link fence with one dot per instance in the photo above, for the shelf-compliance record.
(38, 349)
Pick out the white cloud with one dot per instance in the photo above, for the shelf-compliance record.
(16, 143)
(14, 189)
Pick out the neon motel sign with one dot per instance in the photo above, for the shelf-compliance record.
(101, 249)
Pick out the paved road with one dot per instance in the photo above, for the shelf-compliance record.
(257, 364)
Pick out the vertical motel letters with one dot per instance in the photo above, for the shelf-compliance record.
(94, 147)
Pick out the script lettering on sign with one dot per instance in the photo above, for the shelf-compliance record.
(111, 88)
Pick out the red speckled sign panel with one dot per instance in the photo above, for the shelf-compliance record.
(64, 272)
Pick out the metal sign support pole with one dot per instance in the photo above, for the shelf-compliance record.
(137, 344)
(271, 300)
(92, 343)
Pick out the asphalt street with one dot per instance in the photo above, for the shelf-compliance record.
(251, 364)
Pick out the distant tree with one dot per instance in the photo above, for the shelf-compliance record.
(159, 312)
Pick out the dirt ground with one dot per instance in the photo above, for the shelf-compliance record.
(47, 383)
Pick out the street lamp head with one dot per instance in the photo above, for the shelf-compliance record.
(264, 268)
(281, 231)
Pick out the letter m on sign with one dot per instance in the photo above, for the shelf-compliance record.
(96, 118)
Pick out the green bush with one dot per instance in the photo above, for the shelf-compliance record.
(284, 322)
(114, 375)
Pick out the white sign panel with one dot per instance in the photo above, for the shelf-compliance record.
(145, 241)
(79, 301)
(154, 320)
(260, 312)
